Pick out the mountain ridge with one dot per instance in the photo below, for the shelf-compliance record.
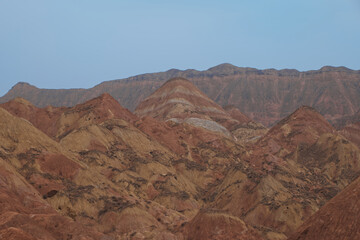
(264, 95)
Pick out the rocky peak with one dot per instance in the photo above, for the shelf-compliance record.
(103, 107)
(307, 116)
(335, 69)
(178, 85)
(56, 121)
(179, 100)
(303, 125)
(23, 85)
(224, 68)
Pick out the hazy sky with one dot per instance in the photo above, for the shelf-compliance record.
(80, 43)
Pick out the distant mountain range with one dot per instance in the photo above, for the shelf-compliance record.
(265, 96)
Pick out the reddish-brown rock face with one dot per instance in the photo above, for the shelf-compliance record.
(177, 91)
(178, 100)
(236, 114)
(94, 111)
(265, 96)
(305, 125)
(337, 219)
(246, 130)
(214, 224)
(25, 215)
(293, 170)
(57, 122)
(178, 137)
(352, 132)
(44, 119)
(102, 108)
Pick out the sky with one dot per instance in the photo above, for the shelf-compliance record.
(80, 43)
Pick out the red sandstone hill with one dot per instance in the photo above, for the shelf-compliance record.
(305, 125)
(26, 215)
(338, 219)
(58, 121)
(43, 118)
(264, 95)
(31, 166)
(180, 101)
(300, 164)
(111, 171)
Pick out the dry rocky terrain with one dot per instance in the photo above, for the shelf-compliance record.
(179, 167)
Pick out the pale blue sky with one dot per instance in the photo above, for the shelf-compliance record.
(80, 43)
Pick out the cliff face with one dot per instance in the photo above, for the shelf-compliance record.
(265, 96)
